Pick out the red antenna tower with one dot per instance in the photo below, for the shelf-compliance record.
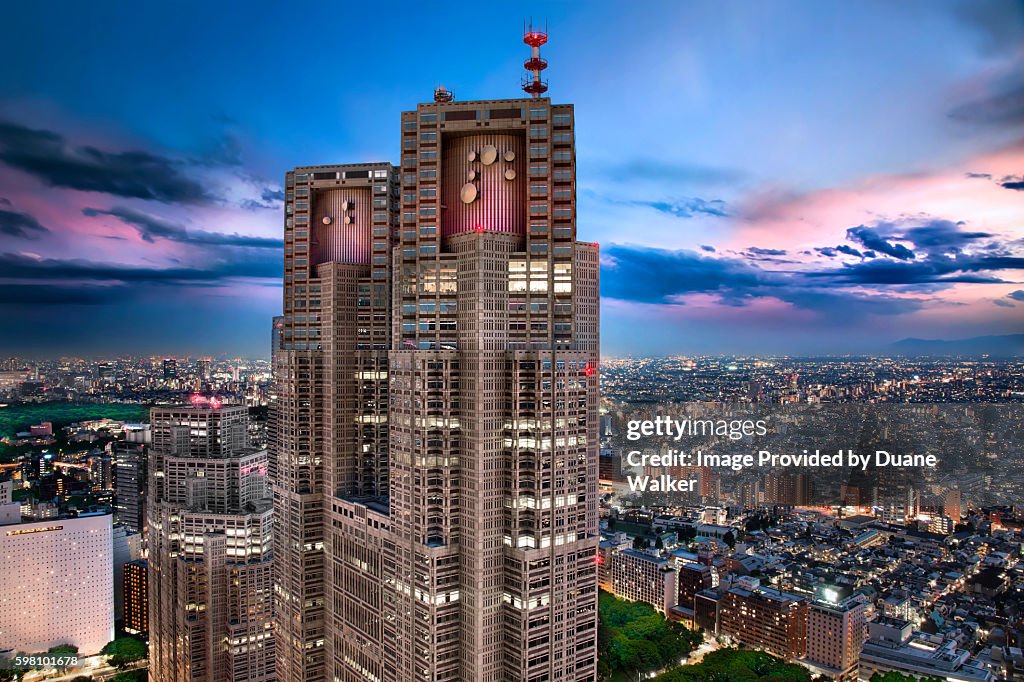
(534, 85)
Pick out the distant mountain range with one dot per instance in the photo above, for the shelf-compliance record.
(1010, 345)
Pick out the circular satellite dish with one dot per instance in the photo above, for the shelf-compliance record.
(468, 193)
(471, 156)
(510, 155)
(327, 220)
(510, 174)
(345, 206)
(471, 175)
(348, 220)
(488, 155)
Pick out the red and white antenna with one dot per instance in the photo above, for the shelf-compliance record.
(535, 64)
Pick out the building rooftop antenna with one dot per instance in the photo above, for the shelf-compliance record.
(532, 83)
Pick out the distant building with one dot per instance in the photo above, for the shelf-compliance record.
(136, 597)
(691, 579)
(6, 491)
(952, 505)
(793, 490)
(170, 369)
(57, 584)
(101, 471)
(42, 429)
(835, 633)
(640, 576)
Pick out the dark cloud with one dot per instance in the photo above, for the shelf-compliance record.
(736, 282)
(982, 176)
(20, 225)
(975, 268)
(656, 170)
(35, 294)
(269, 199)
(1016, 295)
(133, 174)
(1003, 105)
(827, 251)
(151, 228)
(272, 195)
(686, 208)
(707, 248)
(1013, 184)
(872, 239)
(19, 267)
(758, 251)
(1003, 303)
(849, 250)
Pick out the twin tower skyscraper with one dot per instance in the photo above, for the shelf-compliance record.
(434, 435)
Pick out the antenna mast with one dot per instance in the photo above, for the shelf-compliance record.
(535, 64)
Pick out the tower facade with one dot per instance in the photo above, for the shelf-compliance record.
(435, 449)
(210, 569)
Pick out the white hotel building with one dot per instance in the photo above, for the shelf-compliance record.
(57, 584)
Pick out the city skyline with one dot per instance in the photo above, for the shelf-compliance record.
(834, 199)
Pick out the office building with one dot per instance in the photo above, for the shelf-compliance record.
(435, 453)
(130, 485)
(170, 367)
(835, 633)
(57, 584)
(210, 523)
(136, 598)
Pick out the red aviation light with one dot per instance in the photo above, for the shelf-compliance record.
(479, 227)
(590, 369)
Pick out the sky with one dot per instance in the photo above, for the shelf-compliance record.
(763, 178)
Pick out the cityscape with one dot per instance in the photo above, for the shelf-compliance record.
(693, 354)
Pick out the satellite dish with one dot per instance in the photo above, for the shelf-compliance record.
(327, 220)
(468, 193)
(348, 220)
(471, 175)
(345, 205)
(471, 156)
(510, 174)
(510, 155)
(488, 155)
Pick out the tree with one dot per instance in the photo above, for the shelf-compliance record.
(124, 651)
(728, 665)
(659, 543)
(633, 638)
(892, 676)
(730, 539)
(611, 522)
(640, 542)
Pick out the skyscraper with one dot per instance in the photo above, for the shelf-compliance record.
(210, 575)
(136, 597)
(435, 449)
(130, 484)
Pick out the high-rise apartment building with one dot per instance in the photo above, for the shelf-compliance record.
(435, 450)
(210, 574)
(136, 597)
(765, 618)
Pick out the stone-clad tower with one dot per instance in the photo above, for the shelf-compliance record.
(436, 416)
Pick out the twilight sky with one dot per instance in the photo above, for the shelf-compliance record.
(785, 177)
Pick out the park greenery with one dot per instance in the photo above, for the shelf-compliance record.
(737, 665)
(634, 638)
(124, 651)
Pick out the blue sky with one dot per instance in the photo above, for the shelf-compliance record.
(757, 173)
